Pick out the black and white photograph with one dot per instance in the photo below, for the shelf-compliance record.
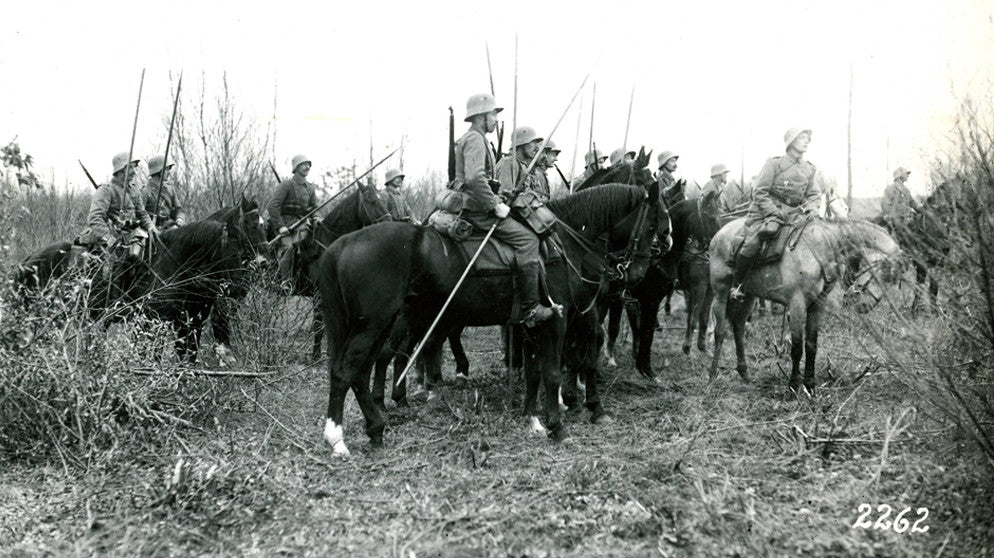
(516, 279)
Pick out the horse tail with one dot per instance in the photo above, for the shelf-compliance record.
(332, 300)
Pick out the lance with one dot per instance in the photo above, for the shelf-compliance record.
(624, 144)
(514, 115)
(272, 167)
(500, 128)
(131, 148)
(576, 147)
(452, 146)
(455, 289)
(356, 180)
(591, 146)
(561, 175)
(169, 140)
(88, 175)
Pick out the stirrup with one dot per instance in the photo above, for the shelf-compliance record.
(736, 293)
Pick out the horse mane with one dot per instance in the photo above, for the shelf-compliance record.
(597, 209)
(196, 236)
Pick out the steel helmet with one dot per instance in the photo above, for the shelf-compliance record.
(591, 155)
(791, 135)
(157, 163)
(665, 156)
(551, 146)
(299, 160)
(524, 135)
(391, 174)
(718, 169)
(481, 103)
(120, 161)
(900, 171)
(618, 154)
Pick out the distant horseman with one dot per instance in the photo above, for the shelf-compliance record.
(294, 198)
(115, 204)
(169, 212)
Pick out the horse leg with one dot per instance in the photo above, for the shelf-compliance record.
(634, 314)
(693, 296)
(387, 354)
(221, 328)
(720, 330)
(615, 306)
(740, 311)
(542, 360)
(317, 329)
(811, 344)
(459, 354)
(375, 425)
(921, 275)
(646, 331)
(705, 318)
(798, 324)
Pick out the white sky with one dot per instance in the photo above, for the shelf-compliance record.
(712, 79)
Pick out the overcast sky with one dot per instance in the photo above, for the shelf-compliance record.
(711, 79)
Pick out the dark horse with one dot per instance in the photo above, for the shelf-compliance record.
(185, 276)
(693, 275)
(356, 210)
(367, 278)
(925, 237)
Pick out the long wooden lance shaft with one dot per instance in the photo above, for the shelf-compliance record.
(356, 180)
(514, 117)
(134, 129)
(88, 175)
(628, 123)
(455, 289)
(593, 103)
(576, 147)
(169, 140)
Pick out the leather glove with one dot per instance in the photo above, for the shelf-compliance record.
(153, 230)
(502, 210)
(284, 231)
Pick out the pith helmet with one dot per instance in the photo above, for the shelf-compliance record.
(391, 174)
(120, 161)
(591, 155)
(665, 156)
(551, 146)
(157, 163)
(718, 169)
(299, 160)
(481, 103)
(900, 171)
(791, 135)
(524, 135)
(618, 154)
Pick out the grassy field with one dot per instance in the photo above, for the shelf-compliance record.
(686, 470)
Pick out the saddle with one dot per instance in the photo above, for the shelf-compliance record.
(498, 258)
(786, 238)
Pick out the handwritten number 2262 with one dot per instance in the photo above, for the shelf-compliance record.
(900, 523)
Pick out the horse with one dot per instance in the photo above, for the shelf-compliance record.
(693, 276)
(800, 280)
(367, 278)
(180, 282)
(926, 238)
(357, 209)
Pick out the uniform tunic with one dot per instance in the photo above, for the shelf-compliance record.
(169, 205)
(542, 187)
(294, 198)
(784, 184)
(112, 205)
(504, 170)
(897, 203)
(398, 207)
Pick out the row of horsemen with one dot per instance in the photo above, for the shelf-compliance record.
(784, 190)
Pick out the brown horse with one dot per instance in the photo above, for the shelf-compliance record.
(800, 280)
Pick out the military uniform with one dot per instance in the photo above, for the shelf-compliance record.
(397, 205)
(584, 176)
(734, 197)
(897, 204)
(505, 169)
(294, 198)
(541, 183)
(112, 205)
(169, 208)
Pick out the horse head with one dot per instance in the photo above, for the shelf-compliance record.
(709, 217)
(645, 233)
(372, 207)
(880, 263)
(247, 227)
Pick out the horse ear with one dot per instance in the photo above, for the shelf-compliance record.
(245, 205)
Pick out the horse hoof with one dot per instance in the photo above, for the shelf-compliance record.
(462, 378)
(334, 436)
(686, 349)
(601, 418)
(808, 393)
(744, 374)
(535, 427)
(433, 396)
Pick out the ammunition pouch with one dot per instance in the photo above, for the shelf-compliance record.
(530, 211)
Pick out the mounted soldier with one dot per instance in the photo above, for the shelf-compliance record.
(621, 156)
(898, 204)
(475, 167)
(541, 171)
(160, 198)
(784, 191)
(397, 204)
(294, 198)
(595, 161)
(117, 211)
(667, 166)
(510, 171)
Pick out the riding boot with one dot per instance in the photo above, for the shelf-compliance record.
(285, 269)
(532, 312)
(744, 261)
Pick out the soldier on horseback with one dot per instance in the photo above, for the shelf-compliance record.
(595, 161)
(542, 166)
(397, 205)
(160, 198)
(294, 198)
(621, 156)
(115, 205)
(897, 205)
(475, 162)
(525, 144)
(784, 188)
(667, 165)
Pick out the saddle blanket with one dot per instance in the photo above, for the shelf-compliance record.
(498, 257)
